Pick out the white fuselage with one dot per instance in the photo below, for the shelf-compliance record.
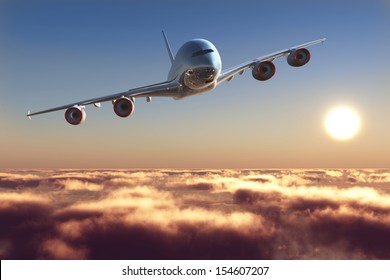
(196, 67)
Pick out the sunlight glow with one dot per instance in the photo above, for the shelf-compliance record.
(342, 123)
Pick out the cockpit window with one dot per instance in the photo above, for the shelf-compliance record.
(202, 52)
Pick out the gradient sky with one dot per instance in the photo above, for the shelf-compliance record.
(56, 52)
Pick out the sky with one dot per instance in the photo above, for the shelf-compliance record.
(195, 214)
(57, 52)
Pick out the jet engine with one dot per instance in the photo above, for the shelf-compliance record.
(123, 107)
(263, 71)
(75, 115)
(298, 57)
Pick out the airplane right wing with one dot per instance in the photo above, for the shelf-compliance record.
(228, 74)
(123, 101)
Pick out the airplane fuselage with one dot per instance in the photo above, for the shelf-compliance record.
(196, 67)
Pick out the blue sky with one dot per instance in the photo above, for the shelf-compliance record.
(57, 52)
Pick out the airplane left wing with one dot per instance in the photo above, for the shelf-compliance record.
(169, 88)
(239, 69)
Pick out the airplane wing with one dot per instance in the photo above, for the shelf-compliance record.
(168, 88)
(239, 69)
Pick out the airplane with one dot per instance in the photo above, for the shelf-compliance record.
(196, 69)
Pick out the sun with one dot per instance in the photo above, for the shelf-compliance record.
(342, 123)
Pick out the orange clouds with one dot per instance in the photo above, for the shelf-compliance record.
(77, 185)
(60, 250)
(195, 214)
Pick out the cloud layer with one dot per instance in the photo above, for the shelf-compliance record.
(195, 214)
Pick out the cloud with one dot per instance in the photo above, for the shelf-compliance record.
(77, 185)
(324, 222)
(25, 221)
(12, 180)
(60, 250)
(195, 214)
(152, 221)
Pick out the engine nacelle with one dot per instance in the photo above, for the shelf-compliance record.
(298, 57)
(123, 107)
(75, 115)
(263, 71)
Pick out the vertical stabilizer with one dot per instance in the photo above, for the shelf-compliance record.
(168, 46)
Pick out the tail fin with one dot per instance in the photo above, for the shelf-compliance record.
(168, 47)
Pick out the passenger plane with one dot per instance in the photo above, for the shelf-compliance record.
(195, 69)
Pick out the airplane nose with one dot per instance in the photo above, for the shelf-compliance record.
(208, 74)
(208, 61)
(200, 77)
(204, 73)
